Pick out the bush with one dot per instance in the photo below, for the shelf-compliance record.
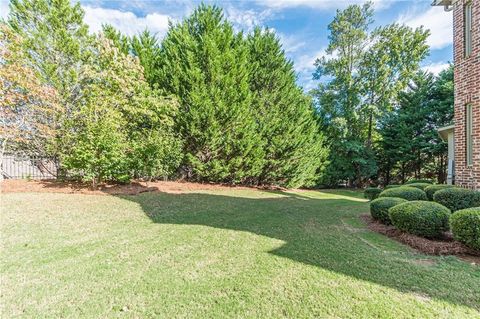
(421, 186)
(380, 206)
(420, 218)
(465, 225)
(392, 186)
(405, 192)
(372, 192)
(415, 181)
(456, 198)
(432, 189)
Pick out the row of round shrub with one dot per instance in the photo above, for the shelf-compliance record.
(465, 226)
(405, 207)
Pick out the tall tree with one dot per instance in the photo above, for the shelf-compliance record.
(339, 99)
(56, 40)
(387, 67)
(205, 64)
(29, 108)
(285, 116)
(363, 76)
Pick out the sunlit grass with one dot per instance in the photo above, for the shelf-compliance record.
(235, 253)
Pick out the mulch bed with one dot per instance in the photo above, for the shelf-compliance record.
(441, 246)
(133, 188)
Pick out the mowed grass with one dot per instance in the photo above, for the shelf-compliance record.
(218, 254)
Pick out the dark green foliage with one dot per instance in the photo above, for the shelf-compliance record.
(421, 186)
(285, 116)
(405, 192)
(380, 206)
(465, 225)
(392, 186)
(456, 198)
(410, 145)
(372, 192)
(416, 181)
(420, 218)
(430, 190)
(205, 64)
(350, 161)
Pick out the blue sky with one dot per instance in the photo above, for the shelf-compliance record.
(300, 24)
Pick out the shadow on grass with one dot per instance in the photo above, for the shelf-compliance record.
(321, 232)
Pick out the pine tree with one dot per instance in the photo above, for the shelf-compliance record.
(205, 64)
(285, 117)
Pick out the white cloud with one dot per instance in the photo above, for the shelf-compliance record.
(125, 21)
(305, 63)
(436, 68)
(321, 4)
(291, 43)
(435, 19)
(246, 19)
(4, 9)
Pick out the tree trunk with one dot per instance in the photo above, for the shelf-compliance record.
(370, 124)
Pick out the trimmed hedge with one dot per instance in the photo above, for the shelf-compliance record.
(372, 192)
(420, 218)
(414, 181)
(380, 206)
(421, 186)
(465, 225)
(456, 198)
(405, 192)
(432, 189)
(392, 186)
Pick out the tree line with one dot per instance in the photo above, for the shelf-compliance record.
(378, 109)
(210, 104)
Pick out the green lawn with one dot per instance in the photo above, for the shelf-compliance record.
(218, 254)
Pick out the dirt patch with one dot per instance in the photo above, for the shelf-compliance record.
(134, 188)
(441, 246)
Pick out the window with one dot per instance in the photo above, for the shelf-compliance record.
(469, 135)
(468, 29)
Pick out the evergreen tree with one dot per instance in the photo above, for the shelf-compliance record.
(205, 64)
(410, 145)
(285, 117)
(145, 46)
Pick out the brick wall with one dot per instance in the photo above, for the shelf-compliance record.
(467, 91)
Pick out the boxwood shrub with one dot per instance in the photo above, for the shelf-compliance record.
(432, 189)
(405, 192)
(421, 186)
(380, 206)
(425, 180)
(456, 198)
(465, 225)
(421, 218)
(392, 186)
(372, 192)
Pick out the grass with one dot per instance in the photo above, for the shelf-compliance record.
(218, 254)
